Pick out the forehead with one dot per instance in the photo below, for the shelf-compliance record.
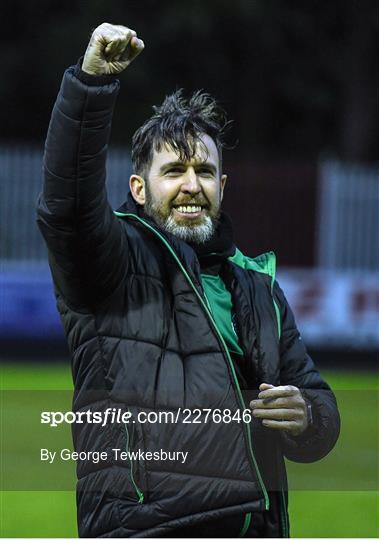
(205, 153)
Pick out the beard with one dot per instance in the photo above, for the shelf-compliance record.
(198, 232)
(195, 234)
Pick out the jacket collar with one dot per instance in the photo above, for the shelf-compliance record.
(216, 250)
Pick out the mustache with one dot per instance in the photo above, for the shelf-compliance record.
(184, 202)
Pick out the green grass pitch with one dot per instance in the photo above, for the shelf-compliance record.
(336, 497)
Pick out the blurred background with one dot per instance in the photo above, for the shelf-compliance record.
(300, 80)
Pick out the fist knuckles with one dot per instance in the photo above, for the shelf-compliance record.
(111, 49)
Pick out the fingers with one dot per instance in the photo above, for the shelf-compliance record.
(115, 39)
(281, 408)
(277, 391)
(111, 49)
(137, 46)
(288, 402)
(124, 50)
(278, 414)
(266, 386)
(110, 32)
(292, 427)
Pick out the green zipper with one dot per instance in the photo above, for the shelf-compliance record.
(207, 310)
(246, 524)
(271, 266)
(139, 493)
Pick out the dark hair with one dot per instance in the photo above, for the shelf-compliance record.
(179, 123)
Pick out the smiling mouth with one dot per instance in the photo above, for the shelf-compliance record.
(189, 210)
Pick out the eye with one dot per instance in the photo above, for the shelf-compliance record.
(174, 171)
(206, 172)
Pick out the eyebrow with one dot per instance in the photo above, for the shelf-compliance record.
(205, 164)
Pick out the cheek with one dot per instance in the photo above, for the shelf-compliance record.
(213, 194)
(160, 192)
(168, 191)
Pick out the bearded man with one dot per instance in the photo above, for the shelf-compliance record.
(164, 314)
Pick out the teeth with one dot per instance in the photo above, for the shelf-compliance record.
(188, 209)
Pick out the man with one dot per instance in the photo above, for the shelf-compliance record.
(164, 314)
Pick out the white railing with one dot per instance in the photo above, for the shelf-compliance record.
(348, 217)
(21, 181)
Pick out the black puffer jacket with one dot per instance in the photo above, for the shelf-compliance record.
(142, 338)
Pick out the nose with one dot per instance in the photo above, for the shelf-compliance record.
(191, 182)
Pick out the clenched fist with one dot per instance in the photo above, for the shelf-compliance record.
(111, 49)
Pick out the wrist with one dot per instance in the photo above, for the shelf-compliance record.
(304, 434)
(92, 79)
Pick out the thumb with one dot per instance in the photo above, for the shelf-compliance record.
(265, 386)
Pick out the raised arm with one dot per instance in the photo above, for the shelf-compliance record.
(87, 247)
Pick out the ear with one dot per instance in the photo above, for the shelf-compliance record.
(222, 185)
(137, 188)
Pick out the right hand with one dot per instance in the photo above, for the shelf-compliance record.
(111, 49)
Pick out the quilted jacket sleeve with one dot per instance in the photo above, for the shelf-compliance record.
(86, 244)
(298, 369)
